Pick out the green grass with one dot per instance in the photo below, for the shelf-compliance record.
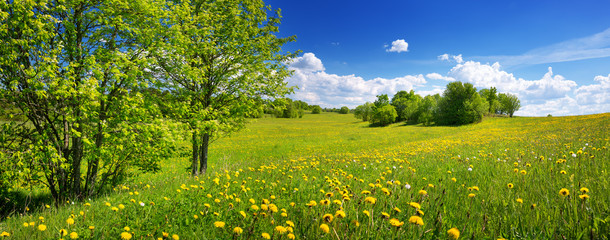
(290, 162)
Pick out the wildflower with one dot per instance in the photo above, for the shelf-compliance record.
(367, 213)
(519, 200)
(563, 172)
(126, 235)
(564, 192)
(312, 203)
(420, 212)
(423, 192)
(42, 227)
(329, 194)
(290, 236)
(254, 208)
(365, 192)
(324, 202)
(325, 228)
(26, 224)
(385, 215)
(264, 207)
(290, 223)
(475, 188)
(280, 229)
(328, 217)
(70, 221)
(175, 237)
(91, 227)
(415, 205)
(219, 224)
(338, 202)
(584, 190)
(73, 235)
(252, 201)
(453, 179)
(523, 172)
(266, 236)
(386, 191)
(127, 229)
(533, 205)
(238, 230)
(121, 206)
(63, 232)
(195, 216)
(5, 234)
(416, 220)
(397, 209)
(114, 209)
(242, 213)
(407, 186)
(396, 223)
(370, 200)
(584, 196)
(453, 233)
(471, 195)
(510, 185)
(340, 214)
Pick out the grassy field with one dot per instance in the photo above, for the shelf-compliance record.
(330, 176)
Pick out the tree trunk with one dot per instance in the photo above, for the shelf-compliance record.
(203, 161)
(195, 154)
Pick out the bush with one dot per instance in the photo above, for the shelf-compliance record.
(364, 111)
(460, 104)
(344, 110)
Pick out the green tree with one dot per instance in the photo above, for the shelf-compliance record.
(428, 109)
(509, 103)
(384, 115)
(77, 70)
(344, 110)
(490, 95)
(460, 104)
(316, 109)
(364, 111)
(219, 57)
(406, 105)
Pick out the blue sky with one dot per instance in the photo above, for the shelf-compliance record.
(554, 55)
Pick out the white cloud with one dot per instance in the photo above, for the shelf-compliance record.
(594, 46)
(398, 46)
(595, 94)
(436, 76)
(321, 88)
(447, 57)
(307, 63)
(485, 76)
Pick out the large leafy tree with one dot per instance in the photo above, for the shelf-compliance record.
(509, 103)
(73, 70)
(460, 104)
(406, 104)
(219, 59)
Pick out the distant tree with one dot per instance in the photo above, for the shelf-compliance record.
(510, 103)
(364, 111)
(384, 115)
(381, 101)
(406, 104)
(491, 97)
(460, 104)
(344, 110)
(316, 109)
(427, 109)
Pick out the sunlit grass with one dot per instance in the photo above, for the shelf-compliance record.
(499, 178)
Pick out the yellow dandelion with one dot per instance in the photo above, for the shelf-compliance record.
(42, 227)
(280, 229)
(367, 213)
(91, 227)
(290, 223)
(415, 205)
(325, 228)
(396, 209)
(584, 196)
(70, 221)
(454, 179)
(328, 217)
(219, 224)
(126, 235)
(416, 220)
(396, 223)
(311, 203)
(290, 236)
(471, 195)
(63, 232)
(238, 230)
(564, 192)
(73, 235)
(423, 192)
(523, 172)
(266, 236)
(584, 190)
(254, 208)
(370, 200)
(127, 229)
(114, 209)
(453, 233)
(340, 214)
(510, 185)
(5, 234)
(519, 200)
(385, 215)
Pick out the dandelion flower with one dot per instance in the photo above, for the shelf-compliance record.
(175, 237)
(416, 220)
(584, 196)
(454, 179)
(42, 227)
(126, 235)
(453, 233)
(73, 235)
(584, 190)
(114, 209)
(423, 192)
(312, 203)
(396, 223)
(127, 229)
(280, 229)
(63, 232)
(238, 230)
(471, 195)
(397, 209)
(328, 217)
(254, 208)
(325, 228)
(5, 234)
(367, 213)
(91, 227)
(290, 236)
(510, 185)
(340, 214)
(564, 192)
(70, 221)
(519, 200)
(385, 215)
(266, 236)
(370, 200)
(219, 224)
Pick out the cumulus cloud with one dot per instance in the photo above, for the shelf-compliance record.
(436, 76)
(319, 87)
(447, 57)
(307, 63)
(484, 75)
(399, 46)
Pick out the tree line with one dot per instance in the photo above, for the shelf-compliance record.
(460, 103)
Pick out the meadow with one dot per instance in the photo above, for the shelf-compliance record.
(330, 176)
